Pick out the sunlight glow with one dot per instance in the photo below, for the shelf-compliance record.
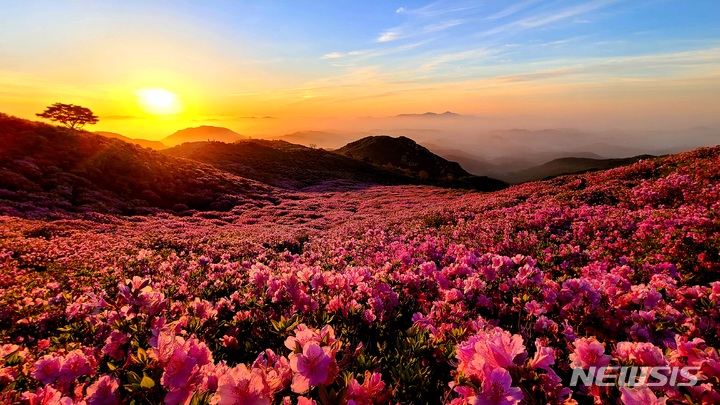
(159, 101)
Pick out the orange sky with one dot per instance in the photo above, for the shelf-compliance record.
(581, 64)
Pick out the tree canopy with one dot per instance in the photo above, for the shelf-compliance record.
(70, 115)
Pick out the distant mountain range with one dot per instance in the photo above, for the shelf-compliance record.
(398, 154)
(446, 114)
(202, 134)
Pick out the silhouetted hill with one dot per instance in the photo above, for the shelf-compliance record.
(47, 170)
(157, 145)
(202, 134)
(406, 155)
(285, 164)
(446, 114)
(571, 165)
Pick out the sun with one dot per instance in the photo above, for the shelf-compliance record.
(159, 101)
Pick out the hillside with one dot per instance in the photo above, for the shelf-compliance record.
(157, 145)
(202, 134)
(284, 164)
(570, 165)
(405, 155)
(48, 170)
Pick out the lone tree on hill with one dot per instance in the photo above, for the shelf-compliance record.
(70, 115)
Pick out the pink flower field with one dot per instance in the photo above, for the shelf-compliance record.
(376, 295)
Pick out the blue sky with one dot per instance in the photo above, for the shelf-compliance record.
(304, 58)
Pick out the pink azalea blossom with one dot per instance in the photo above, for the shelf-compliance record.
(640, 396)
(104, 391)
(178, 369)
(242, 386)
(114, 343)
(74, 365)
(544, 356)
(588, 353)
(492, 348)
(370, 392)
(312, 367)
(497, 390)
(641, 353)
(46, 396)
(47, 369)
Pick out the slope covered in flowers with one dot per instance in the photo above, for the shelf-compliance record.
(381, 295)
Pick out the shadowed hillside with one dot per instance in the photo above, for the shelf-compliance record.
(570, 165)
(405, 155)
(48, 170)
(157, 145)
(284, 164)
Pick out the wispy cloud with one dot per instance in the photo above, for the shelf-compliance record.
(513, 9)
(547, 18)
(332, 55)
(469, 55)
(388, 36)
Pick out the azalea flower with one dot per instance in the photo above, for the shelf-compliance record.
(46, 396)
(497, 390)
(370, 392)
(312, 367)
(74, 365)
(492, 348)
(588, 353)
(641, 395)
(242, 386)
(641, 353)
(104, 391)
(47, 369)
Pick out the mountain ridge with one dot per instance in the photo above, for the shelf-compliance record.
(202, 133)
(405, 155)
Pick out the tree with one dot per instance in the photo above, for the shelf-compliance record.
(70, 115)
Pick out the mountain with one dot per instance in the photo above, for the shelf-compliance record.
(405, 155)
(402, 153)
(571, 165)
(201, 134)
(284, 164)
(51, 171)
(446, 114)
(157, 145)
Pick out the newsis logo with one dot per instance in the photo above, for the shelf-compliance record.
(660, 376)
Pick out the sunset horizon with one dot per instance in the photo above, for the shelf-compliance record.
(589, 65)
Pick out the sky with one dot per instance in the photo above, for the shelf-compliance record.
(148, 68)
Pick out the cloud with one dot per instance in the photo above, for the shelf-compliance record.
(365, 54)
(442, 26)
(332, 55)
(532, 22)
(388, 36)
(514, 9)
(400, 10)
(455, 57)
